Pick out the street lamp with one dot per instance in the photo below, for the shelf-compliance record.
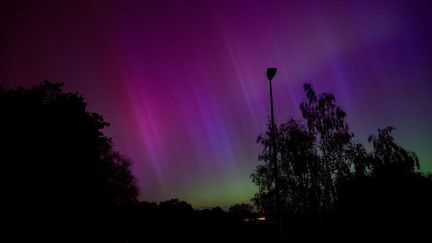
(271, 72)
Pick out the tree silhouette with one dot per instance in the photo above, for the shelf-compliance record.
(299, 171)
(319, 160)
(57, 165)
(315, 159)
(388, 155)
(326, 121)
(240, 209)
(175, 207)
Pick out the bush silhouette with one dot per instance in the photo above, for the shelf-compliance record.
(391, 206)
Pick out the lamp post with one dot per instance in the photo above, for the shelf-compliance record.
(271, 72)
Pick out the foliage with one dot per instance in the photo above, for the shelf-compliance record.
(56, 162)
(175, 206)
(241, 209)
(387, 154)
(51, 142)
(317, 158)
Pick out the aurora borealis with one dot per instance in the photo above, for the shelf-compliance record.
(183, 82)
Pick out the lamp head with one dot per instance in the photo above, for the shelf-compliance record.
(271, 72)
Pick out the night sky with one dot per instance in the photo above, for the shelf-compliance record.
(183, 82)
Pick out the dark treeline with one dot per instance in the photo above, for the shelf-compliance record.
(62, 181)
(176, 221)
